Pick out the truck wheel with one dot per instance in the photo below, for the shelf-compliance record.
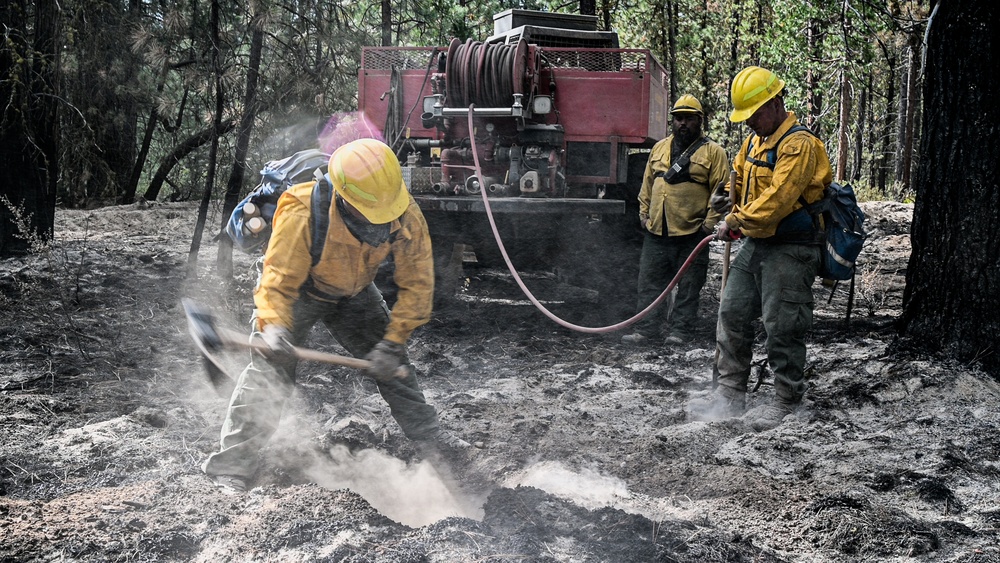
(447, 250)
(529, 242)
(597, 254)
(449, 271)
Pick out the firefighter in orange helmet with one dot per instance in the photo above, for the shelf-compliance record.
(372, 217)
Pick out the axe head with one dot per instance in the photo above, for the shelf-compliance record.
(201, 324)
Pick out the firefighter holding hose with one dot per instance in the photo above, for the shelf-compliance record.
(372, 217)
(780, 168)
(676, 215)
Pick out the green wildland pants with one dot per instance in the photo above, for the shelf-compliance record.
(659, 262)
(772, 281)
(357, 323)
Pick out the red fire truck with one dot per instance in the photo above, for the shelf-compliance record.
(560, 115)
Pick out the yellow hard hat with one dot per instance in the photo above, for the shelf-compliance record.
(752, 88)
(366, 173)
(687, 104)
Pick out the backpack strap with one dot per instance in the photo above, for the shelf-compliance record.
(796, 235)
(319, 224)
(772, 154)
(679, 168)
(815, 211)
(319, 215)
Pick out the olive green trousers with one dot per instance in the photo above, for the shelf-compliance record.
(357, 323)
(773, 282)
(659, 262)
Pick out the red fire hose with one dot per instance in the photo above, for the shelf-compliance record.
(565, 324)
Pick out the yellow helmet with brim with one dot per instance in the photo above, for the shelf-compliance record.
(366, 173)
(687, 104)
(752, 88)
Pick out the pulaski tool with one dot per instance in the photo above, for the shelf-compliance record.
(211, 338)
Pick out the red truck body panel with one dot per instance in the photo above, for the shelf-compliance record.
(617, 97)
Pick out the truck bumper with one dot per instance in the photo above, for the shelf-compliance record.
(519, 205)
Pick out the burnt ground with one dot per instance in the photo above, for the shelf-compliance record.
(584, 449)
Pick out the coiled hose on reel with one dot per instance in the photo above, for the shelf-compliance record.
(485, 74)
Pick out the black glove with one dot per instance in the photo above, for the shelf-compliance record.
(720, 202)
(279, 343)
(385, 359)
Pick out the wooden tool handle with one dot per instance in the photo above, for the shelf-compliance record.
(725, 273)
(237, 339)
(729, 245)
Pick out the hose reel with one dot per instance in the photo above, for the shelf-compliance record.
(485, 74)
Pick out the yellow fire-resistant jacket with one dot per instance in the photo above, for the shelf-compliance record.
(346, 266)
(683, 206)
(763, 196)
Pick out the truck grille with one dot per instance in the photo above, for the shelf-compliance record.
(602, 60)
(420, 180)
(401, 58)
(591, 60)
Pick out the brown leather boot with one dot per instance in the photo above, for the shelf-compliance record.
(770, 415)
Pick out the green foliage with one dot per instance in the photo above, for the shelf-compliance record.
(126, 69)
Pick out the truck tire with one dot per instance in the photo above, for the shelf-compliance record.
(600, 255)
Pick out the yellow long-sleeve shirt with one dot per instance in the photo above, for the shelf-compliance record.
(763, 196)
(682, 207)
(346, 266)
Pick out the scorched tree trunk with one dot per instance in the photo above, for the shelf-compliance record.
(952, 298)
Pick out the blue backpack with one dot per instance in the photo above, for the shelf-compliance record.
(843, 233)
(251, 234)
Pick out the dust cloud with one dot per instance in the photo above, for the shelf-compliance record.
(588, 488)
(345, 127)
(414, 494)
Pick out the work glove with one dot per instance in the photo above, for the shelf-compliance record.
(723, 232)
(279, 343)
(385, 358)
(720, 202)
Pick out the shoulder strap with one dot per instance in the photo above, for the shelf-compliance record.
(683, 161)
(772, 154)
(319, 215)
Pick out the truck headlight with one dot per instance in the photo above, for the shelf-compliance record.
(541, 105)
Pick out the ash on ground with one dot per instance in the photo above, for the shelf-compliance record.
(584, 449)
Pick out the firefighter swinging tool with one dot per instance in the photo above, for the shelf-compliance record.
(211, 339)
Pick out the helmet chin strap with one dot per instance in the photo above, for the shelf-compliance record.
(361, 228)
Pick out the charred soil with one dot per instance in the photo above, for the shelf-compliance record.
(584, 449)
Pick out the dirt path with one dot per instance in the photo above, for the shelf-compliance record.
(585, 452)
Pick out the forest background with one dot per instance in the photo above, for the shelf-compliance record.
(108, 102)
(134, 84)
